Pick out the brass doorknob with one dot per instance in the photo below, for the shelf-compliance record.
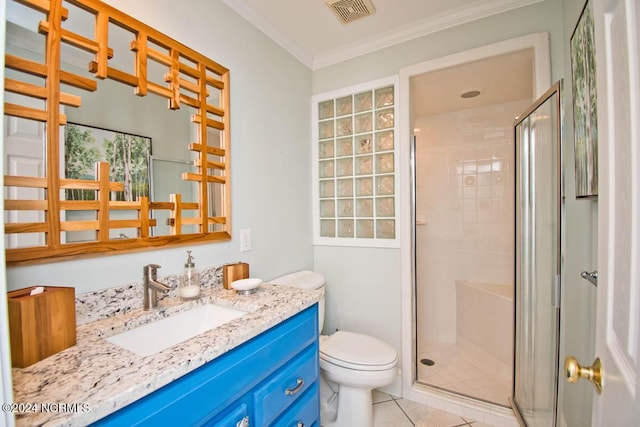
(593, 373)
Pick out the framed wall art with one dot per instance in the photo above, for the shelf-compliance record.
(585, 120)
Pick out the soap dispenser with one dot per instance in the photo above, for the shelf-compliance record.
(190, 280)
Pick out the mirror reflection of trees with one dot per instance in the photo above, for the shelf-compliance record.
(128, 157)
(79, 157)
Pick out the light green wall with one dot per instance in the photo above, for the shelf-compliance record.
(369, 301)
(270, 128)
(580, 244)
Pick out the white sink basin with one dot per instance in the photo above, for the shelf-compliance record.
(156, 336)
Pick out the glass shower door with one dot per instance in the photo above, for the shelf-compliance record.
(538, 234)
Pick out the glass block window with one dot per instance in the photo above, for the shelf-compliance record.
(355, 167)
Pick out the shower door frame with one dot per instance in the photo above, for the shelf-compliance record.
(412, 390)
(556, 90)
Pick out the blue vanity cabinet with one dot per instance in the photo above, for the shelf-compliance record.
(272, 379)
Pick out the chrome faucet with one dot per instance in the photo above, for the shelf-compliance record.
(152, 286)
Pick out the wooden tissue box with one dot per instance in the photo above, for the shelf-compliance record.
(42, 324)
(233, 272)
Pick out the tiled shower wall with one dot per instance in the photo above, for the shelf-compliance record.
(465, 208)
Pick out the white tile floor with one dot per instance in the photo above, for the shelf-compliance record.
(389, 411)
(467, 370)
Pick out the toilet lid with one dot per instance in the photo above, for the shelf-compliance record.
(358, 351)
(301, 279)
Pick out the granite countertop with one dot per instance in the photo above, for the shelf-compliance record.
(95, 377)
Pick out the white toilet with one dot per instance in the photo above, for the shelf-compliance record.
(351, 365)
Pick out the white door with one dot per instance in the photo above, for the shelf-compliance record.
(618, 314)
(24, 155)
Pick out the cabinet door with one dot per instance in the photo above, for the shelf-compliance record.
(236, 416)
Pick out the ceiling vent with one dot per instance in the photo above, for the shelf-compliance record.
(350, 10)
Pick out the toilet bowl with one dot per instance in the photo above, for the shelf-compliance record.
(351, 365)
(357, 363)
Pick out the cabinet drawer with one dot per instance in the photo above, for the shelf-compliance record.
(304, 413)
(285, 387)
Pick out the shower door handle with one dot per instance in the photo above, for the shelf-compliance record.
(574, 371)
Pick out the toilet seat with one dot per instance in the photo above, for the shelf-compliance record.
(356, 351)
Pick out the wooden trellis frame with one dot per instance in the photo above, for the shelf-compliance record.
(188, 81)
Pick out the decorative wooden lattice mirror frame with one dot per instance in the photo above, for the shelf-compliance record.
(189, 80)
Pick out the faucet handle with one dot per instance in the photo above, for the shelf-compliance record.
(150, 269)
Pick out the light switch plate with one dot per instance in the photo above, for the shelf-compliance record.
(245, 240)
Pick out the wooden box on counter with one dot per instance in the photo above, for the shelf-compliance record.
(233, 272)
(42, 324)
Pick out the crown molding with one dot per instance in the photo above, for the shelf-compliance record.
(412, 31)
(271, 31)
(418, 29)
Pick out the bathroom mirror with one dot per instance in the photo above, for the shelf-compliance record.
(180, 111)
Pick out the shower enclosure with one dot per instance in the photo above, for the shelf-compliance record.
(487, 254)
(464, 187)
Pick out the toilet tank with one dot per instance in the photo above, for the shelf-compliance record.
(305, 280)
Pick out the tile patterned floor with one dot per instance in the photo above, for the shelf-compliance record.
(467, 370)
(389, 411)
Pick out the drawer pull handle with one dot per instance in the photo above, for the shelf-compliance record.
(292, 391)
